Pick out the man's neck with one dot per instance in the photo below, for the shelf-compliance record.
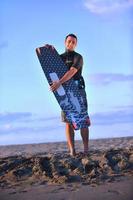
(69, 51)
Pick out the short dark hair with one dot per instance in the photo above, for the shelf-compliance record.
(71, 35)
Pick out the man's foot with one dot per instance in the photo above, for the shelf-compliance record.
(72, 152)
(86, 152)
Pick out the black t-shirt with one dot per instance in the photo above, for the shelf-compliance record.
(73, 59)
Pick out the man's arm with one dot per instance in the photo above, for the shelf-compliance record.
(68, 75)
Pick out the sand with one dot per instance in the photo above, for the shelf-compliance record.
(47, 171)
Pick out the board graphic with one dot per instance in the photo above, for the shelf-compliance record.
(68, 94)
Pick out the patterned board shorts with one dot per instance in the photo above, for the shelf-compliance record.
(83, 93)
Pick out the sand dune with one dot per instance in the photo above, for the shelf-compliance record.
(39, 165)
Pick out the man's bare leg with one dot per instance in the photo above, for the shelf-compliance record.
(70, 138)
(85, 138)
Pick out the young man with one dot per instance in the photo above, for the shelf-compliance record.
(74, 62)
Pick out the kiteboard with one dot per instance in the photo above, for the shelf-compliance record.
(67, 95)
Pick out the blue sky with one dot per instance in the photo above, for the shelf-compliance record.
(29, 112)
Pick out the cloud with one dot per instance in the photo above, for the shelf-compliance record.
(17, 132)
(124, 107)
(8, 129)
(16, 116)
(26, 122)
(113, 117)
(8, 118)
(120, 115)
(24, 129)
(53, 118)
(107, 6)
(107, 78)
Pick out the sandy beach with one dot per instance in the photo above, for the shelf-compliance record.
(47, 171)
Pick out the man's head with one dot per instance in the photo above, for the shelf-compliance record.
(70, 42)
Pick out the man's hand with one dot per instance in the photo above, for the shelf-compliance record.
(55, 85)
(49, 46)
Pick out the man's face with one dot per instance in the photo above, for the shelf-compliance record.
(70, 43)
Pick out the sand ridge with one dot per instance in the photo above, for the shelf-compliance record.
(100, 165)
(46, 171)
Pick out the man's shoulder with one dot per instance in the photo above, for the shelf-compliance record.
(62, 54)
(78, 54)
(74, 52)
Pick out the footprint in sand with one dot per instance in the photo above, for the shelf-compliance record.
(22, 191)
(114, 191)
(13, 192)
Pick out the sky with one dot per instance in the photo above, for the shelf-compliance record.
(29, 112)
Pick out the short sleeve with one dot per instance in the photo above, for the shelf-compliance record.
(78, 61)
